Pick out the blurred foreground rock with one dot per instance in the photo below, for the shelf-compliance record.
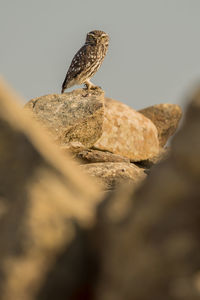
(149, 245)
(62, 238)
(44, 201)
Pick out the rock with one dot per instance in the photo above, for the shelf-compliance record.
(127, 132)
(46, 204)
(149, 237)
(166, 117)
(74, 119)
(77, 121)
(94, 156)
(112, 174)
(161, 156)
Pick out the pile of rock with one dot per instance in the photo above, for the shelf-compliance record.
(62, 238)
(112, 141)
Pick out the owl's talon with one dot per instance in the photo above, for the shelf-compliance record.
(94, 87)
(89, 86)
(85, 95)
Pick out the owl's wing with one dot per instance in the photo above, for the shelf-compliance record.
(76, 67)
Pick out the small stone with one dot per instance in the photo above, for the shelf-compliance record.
(166, 118)
(112, 174)
(94, 156)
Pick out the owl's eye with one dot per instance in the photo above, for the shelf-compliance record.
(104, 37)
(90, 37)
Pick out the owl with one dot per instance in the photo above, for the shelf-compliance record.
(87, 60)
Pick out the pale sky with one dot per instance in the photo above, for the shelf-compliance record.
(154, 53)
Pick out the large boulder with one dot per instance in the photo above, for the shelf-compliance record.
(166, 118)
(78, 120)
(73, 119)
(127, 132)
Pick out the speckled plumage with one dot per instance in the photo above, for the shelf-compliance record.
(87, 60)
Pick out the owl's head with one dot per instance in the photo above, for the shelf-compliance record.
(97, 37)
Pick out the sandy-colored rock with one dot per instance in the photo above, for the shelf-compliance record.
(127, 132)
(113, 174)
(94, 156)
(45, 204)
(149, 241)
(74, 119)
(166, 117)
(163, 154)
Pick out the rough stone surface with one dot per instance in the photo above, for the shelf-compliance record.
(166, 117)
(111, 174)
(74, 119)
(45, 202)
(127, 132)
(94, 156)
(149, 239)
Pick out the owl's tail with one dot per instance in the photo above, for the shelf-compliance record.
(64, 86)
(62, 91)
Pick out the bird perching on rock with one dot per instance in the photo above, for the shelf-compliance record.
(87, 60)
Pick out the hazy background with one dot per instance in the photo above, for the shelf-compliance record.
(154, 53)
